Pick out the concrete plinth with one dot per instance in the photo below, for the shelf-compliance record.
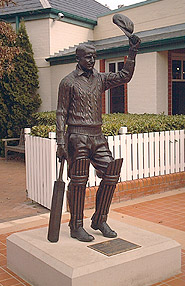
(71, 263)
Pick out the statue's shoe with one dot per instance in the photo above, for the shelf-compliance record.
(105, 229)
(81, 234)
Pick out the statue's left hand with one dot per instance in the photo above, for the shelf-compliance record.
(134, 42)
(62, 152)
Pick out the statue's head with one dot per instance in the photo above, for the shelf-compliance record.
(86, 56)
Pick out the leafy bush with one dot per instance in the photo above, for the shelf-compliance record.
(8, 47)
(136, 123)
(44, 118)
(140, 123)
(43, 130)
(18, 90)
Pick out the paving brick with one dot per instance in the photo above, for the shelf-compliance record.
(13, 198)
(10, 282)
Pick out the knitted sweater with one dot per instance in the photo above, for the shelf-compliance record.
(79, 96)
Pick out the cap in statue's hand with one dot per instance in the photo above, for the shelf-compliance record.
(124, 23)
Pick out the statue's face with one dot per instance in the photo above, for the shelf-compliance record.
(86, 59)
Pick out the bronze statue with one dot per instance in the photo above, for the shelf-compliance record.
(80, 108)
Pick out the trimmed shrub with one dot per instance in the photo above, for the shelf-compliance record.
(141, 123)
(44, 118)
(18, 90)
(43, 130)
(136, 123)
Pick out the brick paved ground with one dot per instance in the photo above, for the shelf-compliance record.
(167, 211)
(13, 201)
(163, 213)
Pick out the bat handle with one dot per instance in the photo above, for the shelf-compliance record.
(61, 169)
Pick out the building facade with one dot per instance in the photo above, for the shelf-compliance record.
(158, 84)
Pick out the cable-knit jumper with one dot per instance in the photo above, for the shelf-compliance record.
(79, 96)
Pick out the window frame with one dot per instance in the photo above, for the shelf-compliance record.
(178, 57)
(107, 93)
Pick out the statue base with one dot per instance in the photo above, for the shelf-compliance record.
(69, 262)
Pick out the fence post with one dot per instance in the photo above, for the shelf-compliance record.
(122, 130)
(182, 148)
(52, 137)
(27, 132)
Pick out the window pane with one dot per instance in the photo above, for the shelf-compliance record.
(120, 65)
(183, 69)
(112, 67)
(117, 99)
(176, 69)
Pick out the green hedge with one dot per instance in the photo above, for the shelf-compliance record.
(136, 123)
(140, 123)
(42, 130)
(44, 118)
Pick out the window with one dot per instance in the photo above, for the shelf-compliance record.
(116, 99)
(178, 70)
(112, 67)
(178, 84)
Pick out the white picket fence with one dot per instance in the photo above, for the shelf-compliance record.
(145, 155)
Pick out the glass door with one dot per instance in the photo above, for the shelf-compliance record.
(116, 94)
(178, 86)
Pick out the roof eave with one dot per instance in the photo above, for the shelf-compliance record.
(49, 11)
(114, 52)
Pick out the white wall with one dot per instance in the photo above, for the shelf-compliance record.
(151, 16)
(39, 35)
(63, 35)
(148, 89)
(142, 87)
(45, 88)
(162, 82)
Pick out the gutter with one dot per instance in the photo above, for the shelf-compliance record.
(145, 47)
(53, 12)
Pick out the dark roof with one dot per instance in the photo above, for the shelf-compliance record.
(21, 6)
(84, 8)
(89, 9)
(155, 38)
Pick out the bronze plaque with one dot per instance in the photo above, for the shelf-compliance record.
(114, 246)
